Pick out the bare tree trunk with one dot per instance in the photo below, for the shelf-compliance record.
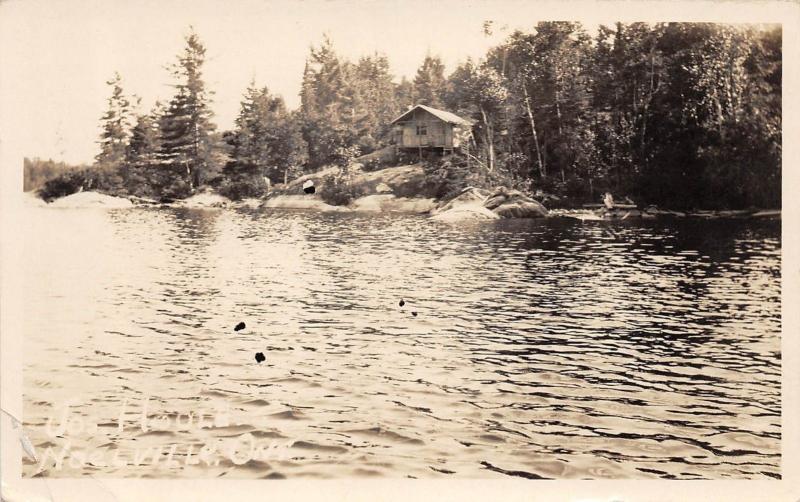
(542, 172)
(189, 173)
(489, 139)
(557, 71)
(558, 113)
(719, 117)
(647, 103)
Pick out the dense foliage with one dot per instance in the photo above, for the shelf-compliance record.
(339, 188)
(678, 114)
(36, 172)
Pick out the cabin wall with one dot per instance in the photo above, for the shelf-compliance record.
(439, 133)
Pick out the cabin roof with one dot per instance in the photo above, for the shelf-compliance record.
(448, 117)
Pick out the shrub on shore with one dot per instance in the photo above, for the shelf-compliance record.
(93, 178)
(447, 176)
(338, 188)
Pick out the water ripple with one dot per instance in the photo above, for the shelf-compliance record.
(541, 349)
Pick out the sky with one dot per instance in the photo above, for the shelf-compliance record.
(56, 56)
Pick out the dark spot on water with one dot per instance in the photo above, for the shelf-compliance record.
(260, 357)
(239, 327)
(414, 314)
(274, 475)
(310, 189)
(443, 471)
(402, 302)
(520, 474)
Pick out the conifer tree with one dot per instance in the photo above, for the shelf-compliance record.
(327, 105)
(266, 144)
(186, 127)
(116, 125)
(141, 156)
(429, 83)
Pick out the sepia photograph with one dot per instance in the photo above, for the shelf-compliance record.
(335, 240)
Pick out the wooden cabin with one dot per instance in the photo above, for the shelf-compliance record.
(425, 128)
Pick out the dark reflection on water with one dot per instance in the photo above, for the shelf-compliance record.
(542, 349)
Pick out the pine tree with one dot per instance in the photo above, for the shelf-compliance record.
(404, 94)
(429, 83)
(375, 100)
(327, 105)
(141, 157)
(266, 144)
(268, 136)
(186, 127)
(116, 125)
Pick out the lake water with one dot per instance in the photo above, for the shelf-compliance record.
(550, 348)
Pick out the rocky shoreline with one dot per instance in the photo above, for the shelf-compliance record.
(470, 204)
(397, 189)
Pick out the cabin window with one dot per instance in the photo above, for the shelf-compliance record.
(422, 130)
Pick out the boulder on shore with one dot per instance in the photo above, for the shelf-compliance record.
(469, 196)
(295, 186)
(476, 203)
(143, 201)
(249, 203)
(402, 181)
(91, 199)
(462, 212)
(513, 204)
(388, 202)
(313, 202)
(383, 188)
(202, 200)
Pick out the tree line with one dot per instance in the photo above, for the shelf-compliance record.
(676, 114)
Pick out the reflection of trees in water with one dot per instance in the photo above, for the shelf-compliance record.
(707, 247)
(647, 288)
(188, 283)
(177, 226)
(717, 238)
(194, 226)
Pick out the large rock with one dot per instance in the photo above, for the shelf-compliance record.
(404, 181)
(513, 204)
(384, 156)
(465, 212)
(312, 202)
(390, 203)
(203, 200)
(143, 201)
(249, 203)
(469, 196)
(383, 188)
(296, 186)
(91, 199)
